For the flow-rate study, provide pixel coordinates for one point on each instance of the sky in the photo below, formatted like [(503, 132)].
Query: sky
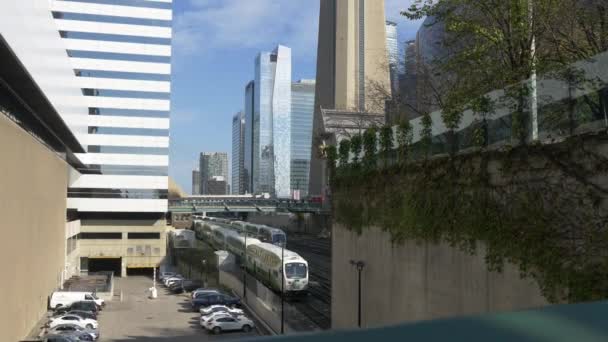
[(214, 46)]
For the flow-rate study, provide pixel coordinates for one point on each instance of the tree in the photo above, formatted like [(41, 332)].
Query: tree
[(370, 142), (386, 143), (344, 153), (356, 143), (405, 137), (426, 135)]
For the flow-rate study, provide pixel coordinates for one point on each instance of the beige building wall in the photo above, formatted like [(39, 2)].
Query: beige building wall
[(413, 282), (33, 184), (135, 253)]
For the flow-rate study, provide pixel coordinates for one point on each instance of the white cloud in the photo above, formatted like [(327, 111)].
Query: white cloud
[(233, 24)]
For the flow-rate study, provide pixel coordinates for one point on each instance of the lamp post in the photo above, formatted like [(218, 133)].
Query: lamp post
[(204, 262), (245, 268), (359, 265), (282, 290)]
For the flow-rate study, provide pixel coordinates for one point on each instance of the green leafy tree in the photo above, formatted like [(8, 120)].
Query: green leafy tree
[(344, 153), (370, 142), (405, 136), (331, 155), (386, 143), (356, 144), (483, 108), (426, 134)]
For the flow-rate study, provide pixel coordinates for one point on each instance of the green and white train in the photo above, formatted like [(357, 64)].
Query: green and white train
[(263, 259)]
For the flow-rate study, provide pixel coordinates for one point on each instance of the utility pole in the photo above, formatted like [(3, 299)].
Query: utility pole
[(245, 268), (533, 77)]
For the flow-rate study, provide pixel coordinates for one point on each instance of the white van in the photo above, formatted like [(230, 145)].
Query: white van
[(65, 298)]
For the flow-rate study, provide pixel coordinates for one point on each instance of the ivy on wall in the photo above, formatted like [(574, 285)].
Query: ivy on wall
[(538, 207)]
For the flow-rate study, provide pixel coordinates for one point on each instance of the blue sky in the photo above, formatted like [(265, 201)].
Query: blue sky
[(214, 46)]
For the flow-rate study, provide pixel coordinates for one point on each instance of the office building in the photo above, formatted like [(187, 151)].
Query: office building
[(351, 54), (408, 82), (216, 185), (302, 110), (213, 164), (268, 124), (196, 182), (248, 138), (121, 55), (392, 48), (238, 154)]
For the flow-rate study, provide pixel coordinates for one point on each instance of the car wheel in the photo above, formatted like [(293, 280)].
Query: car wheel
[(217, 330), (89, 326), (246, 328)]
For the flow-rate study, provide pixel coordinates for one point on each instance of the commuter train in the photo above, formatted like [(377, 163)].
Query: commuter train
[(263, 259), (264, 233)]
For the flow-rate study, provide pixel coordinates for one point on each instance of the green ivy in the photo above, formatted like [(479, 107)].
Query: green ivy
[(451, 199)]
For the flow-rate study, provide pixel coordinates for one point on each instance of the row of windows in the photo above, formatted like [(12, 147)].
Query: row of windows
[(136, 170), (122, 75), (129, 112), (118, 236), (115, 38), (129, 131), (160, 151), (117, 193), (119, 56), (133, 3)]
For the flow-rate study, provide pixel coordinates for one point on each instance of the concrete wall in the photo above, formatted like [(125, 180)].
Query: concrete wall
[(33, 184), (410, 282), (125, 248)]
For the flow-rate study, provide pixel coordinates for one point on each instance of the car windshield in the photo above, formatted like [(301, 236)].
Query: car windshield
[(94, 296), (295, 270), (278, 238)]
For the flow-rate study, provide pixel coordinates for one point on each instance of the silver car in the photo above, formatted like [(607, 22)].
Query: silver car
[(72, 329)]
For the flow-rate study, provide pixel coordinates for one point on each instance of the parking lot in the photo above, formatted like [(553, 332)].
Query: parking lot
[(167, 318)]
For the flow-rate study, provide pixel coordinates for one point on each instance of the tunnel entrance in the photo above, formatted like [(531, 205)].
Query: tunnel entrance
[(106, 265)]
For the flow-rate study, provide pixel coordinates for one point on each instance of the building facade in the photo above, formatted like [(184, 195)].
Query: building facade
[(249, 142), (238, 154), (268, 111), (213, 164), (302, 110), (351, 54), (121, 54), (196, 182), (392, 48)]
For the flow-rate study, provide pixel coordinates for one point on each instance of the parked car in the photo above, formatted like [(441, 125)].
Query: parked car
[(72, 329), (66, 298), (220, 308), (208, 299), (163, 275), (169, 281), (214, 315), (227, 323), (73, 319), (62, 338), (202, 290), (83, 314), (86, 305), (186, 286)]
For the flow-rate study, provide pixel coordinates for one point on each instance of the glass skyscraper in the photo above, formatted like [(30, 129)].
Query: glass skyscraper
[(268, 127), (392, 47), (302, 111), (238, 154), (249, 137), (213, 165)]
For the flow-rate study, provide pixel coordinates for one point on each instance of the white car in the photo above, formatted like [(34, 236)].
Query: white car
[(73, 329), (215, 315), (220, 308), (169, 280), (86, 323), (229, 323)]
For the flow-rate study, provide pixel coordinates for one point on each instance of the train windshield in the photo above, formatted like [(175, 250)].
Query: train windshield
[(295, 270), (278, 239)]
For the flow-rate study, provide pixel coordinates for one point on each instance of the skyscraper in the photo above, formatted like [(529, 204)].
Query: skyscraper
[(196, 182), (238, 154), (351, 54), (213, 165), (121, 55), (268, 123), (249, 141), (302, 110), (392, 48)]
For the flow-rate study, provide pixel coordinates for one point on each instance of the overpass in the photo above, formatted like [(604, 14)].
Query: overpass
[(243, 204)]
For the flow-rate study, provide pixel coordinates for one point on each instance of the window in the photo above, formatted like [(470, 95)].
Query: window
[(143, 236), (100, 236), (88, 297)]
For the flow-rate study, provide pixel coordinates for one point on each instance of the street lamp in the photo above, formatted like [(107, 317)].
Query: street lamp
[(204, 262), (244, 264), (282, 290), (359, 265)]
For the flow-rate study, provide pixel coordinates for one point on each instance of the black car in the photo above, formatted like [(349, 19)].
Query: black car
[(83, 314), (207, 299), (85, 305), (186, 286)]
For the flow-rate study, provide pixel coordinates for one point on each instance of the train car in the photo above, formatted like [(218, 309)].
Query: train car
[(273, 236), (218, 237), (183, 238), (265, 263), (235, 243)]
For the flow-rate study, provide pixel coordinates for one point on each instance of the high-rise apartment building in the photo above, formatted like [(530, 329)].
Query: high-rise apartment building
[(238, 154), (351, 55), (302, 110), (120, 52), (213, 164), (268, 124), (392, 48), (196, 182)]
